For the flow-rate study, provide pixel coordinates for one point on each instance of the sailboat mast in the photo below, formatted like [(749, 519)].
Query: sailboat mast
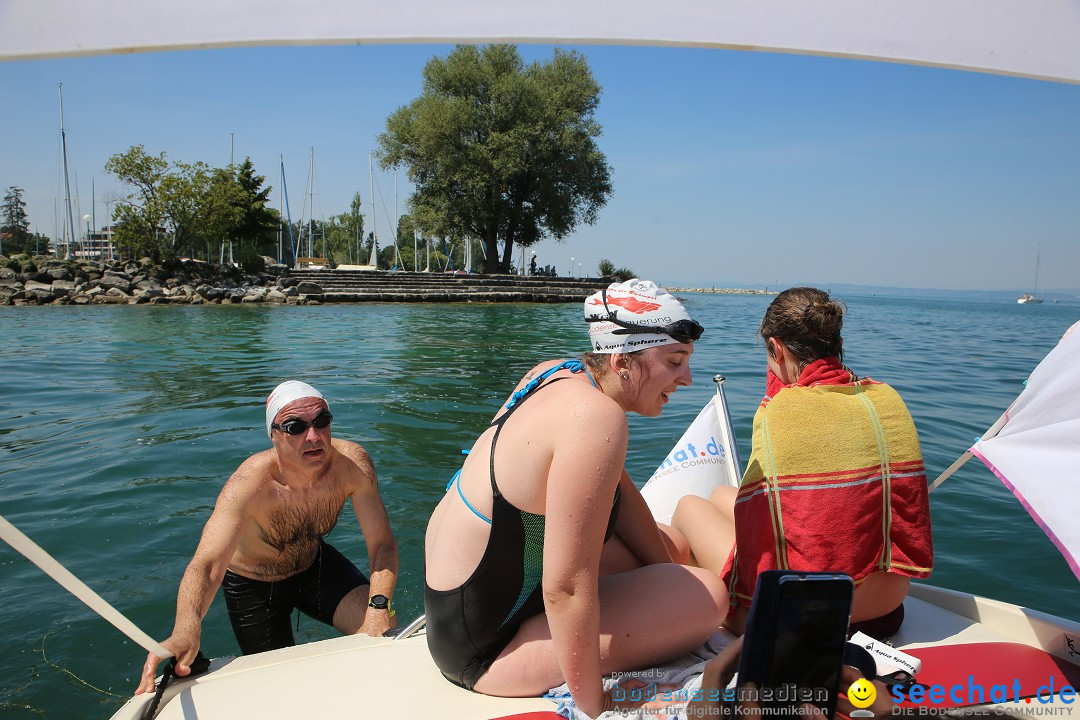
[(397, 227), (67, 182), (78, 211), (311, 199), (281, 207), (373, 259), (1038, 252), (288, 215)]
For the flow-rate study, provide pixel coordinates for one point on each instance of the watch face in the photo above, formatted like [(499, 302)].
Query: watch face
[(379, 602)]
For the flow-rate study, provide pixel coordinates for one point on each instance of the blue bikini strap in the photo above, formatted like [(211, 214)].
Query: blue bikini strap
[(574, 366), (457, 479)]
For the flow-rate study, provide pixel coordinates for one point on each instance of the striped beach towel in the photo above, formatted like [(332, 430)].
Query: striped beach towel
[(835, 482)]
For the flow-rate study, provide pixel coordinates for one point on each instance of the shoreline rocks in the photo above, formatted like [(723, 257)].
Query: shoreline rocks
[(45, 280)]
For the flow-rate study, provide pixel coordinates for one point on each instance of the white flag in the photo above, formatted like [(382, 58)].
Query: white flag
[(701, 461), (1037, 451)]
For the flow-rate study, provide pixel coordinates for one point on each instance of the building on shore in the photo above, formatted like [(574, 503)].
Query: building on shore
[(93, 245)]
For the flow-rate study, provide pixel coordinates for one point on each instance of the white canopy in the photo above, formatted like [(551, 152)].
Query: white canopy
[(1030, 38), (1037, 451)]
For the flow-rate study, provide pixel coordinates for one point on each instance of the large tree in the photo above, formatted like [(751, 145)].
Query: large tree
[(499, 150), (13, 220), (345, 235)]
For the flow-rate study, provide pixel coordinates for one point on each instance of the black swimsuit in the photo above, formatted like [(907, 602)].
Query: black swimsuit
[(260, 611), (469, 626)]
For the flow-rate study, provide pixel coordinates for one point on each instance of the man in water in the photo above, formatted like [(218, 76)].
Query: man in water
[(264, 541)]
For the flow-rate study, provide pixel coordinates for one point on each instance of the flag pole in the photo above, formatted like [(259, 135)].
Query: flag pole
[(734, 463), (959, 462)]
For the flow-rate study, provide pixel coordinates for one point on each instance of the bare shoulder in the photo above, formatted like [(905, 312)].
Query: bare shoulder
[(356, 465), (250, 480), (580, 407), (541, 367), (535, 372)]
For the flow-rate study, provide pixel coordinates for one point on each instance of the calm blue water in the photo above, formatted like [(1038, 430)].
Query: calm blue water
[(118, 426)]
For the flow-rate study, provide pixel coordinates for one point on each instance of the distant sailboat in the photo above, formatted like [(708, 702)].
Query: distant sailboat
[(1032, 298)]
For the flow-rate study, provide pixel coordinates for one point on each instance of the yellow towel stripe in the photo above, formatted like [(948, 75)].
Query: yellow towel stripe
[(886, 484), (773, 494)]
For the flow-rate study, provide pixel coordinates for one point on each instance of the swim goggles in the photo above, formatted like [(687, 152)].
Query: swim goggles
[(684, 331), (296, 426)]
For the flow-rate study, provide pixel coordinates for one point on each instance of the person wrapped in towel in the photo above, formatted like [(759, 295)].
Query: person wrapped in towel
[(835, 480)]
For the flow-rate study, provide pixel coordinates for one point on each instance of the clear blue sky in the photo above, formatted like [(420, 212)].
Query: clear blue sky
[(729, 168)]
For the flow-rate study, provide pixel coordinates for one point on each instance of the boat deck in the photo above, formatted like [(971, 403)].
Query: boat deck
[(357, 676)]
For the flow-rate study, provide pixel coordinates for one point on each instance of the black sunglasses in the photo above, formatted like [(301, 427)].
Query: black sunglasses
[(296, 426), (684, 331)]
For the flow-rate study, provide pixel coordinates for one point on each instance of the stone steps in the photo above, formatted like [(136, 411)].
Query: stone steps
[(345, 286), (428, 296)]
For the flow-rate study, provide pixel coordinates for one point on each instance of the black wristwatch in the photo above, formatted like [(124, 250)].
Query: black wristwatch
[(379, 602)]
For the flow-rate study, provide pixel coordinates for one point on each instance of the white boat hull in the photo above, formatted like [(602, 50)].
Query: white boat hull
[(360, 676), (354, 677)]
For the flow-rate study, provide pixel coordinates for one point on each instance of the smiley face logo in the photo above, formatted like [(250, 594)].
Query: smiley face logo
[(862, 693)]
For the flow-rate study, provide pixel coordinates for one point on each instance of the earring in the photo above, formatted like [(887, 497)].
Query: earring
[(624, 375)]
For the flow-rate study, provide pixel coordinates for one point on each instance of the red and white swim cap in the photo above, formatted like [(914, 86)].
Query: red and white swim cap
[(636, 304)]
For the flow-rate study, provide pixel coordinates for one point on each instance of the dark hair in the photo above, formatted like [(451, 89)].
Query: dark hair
[(808, 321)]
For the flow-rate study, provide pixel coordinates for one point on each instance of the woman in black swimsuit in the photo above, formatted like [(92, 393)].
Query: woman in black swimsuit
[(515, 598)]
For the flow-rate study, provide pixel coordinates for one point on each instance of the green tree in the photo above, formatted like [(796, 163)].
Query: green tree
[(190, 204), (345, 235), (254, 220), (139, 216), (606, 268), (257, 220), (13, 220), (501, 151), (181, 208)]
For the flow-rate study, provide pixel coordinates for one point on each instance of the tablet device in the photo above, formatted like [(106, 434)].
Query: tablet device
[(794, 641)]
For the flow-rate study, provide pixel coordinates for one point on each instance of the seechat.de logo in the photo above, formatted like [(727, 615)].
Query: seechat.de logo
[(691, 454)]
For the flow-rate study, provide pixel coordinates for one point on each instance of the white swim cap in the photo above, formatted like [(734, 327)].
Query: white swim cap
[(635, 315), (285, 393)]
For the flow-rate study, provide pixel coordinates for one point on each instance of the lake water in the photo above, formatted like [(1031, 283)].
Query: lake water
[(120, 424)]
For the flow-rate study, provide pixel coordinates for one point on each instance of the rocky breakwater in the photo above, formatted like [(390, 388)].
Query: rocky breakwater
[(50, 281), (723, 291)]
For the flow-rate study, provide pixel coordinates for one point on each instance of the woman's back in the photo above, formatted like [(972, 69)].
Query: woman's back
[(556, 425)]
